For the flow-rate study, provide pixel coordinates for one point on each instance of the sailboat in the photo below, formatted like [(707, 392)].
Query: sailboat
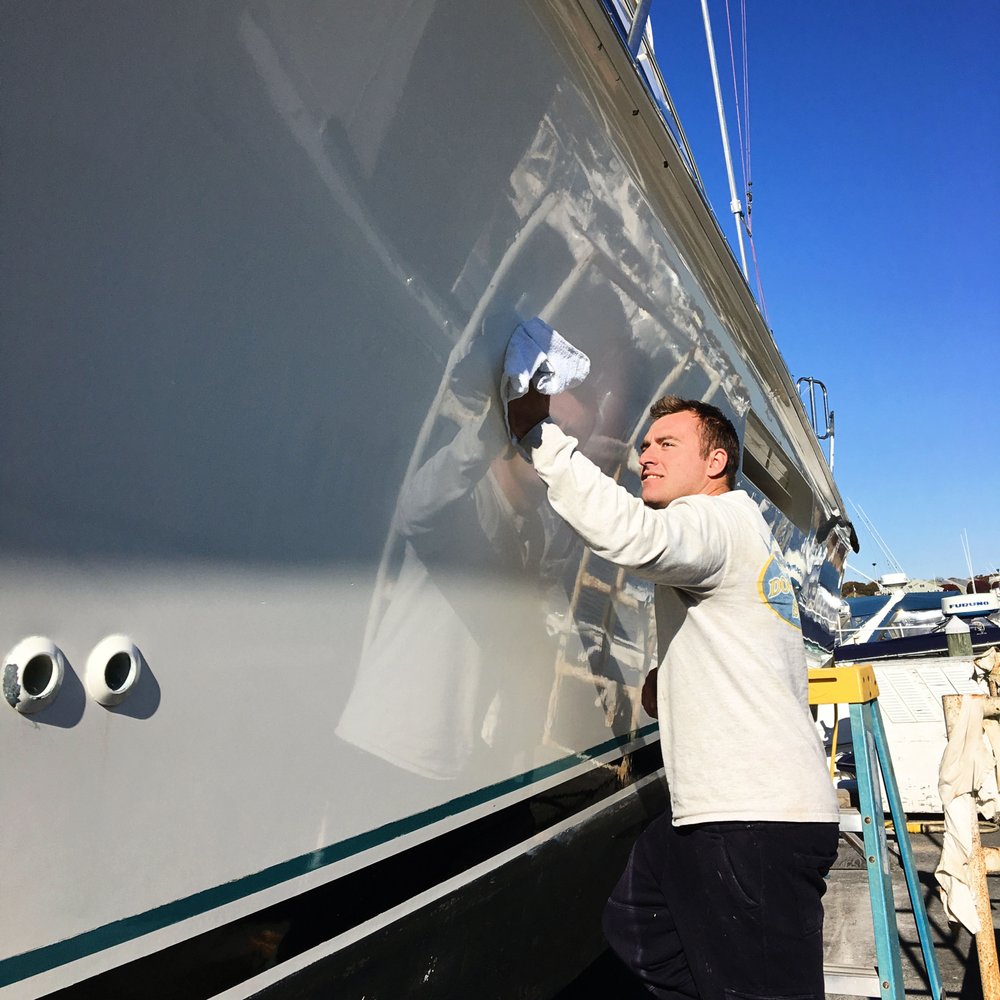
[(306, 690)]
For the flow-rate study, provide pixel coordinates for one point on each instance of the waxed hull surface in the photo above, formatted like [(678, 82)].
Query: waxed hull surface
[(260, 264)]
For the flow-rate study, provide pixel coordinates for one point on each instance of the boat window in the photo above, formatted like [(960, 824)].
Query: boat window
[(768, 468)]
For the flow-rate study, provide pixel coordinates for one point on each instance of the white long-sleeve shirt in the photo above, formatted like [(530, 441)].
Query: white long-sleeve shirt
[(737, 737)]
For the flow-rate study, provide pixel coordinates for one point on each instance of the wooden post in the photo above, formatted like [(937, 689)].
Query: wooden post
[(986, 946)]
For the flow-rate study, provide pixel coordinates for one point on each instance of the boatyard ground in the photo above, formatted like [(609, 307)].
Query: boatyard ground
[(954, 946)]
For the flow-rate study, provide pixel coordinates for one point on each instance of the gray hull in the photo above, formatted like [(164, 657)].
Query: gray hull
[(260, 264)]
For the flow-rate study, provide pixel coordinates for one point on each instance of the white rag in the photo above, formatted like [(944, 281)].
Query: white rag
[(967, 783), (538, 354)]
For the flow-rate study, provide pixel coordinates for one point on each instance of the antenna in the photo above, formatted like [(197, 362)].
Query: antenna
[(879, 541), (854, 569), (964, 539)]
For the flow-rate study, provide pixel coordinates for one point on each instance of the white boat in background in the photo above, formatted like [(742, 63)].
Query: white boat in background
[(901, 624), (304, 685)]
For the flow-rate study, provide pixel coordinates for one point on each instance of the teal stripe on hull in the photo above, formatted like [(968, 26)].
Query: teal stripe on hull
[(32, 963)]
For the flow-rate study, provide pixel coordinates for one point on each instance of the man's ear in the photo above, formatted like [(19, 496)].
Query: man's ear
[(717, 462)]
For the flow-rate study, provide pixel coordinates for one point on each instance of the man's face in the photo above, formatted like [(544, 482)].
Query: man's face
[(672, 463)]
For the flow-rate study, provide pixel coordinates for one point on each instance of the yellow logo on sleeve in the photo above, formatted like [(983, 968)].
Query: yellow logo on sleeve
[(776, 591)]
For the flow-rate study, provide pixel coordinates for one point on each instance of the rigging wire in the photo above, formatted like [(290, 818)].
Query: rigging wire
[(756, 268), (746, 91), (879, 540), (743, 134), (744, 159)]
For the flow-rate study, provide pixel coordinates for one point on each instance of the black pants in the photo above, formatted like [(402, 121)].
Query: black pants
[(724, 911)]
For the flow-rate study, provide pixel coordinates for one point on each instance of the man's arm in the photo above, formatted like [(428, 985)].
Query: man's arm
[(682, 546), (428, 500), (648, 695)]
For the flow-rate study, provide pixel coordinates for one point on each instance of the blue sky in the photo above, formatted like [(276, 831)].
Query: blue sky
[(875, 143)]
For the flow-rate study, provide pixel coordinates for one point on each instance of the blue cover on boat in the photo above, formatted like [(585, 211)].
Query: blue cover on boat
[(865, 607), (924, 601)]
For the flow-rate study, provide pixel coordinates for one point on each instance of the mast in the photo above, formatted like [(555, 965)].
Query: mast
[(734, 202)]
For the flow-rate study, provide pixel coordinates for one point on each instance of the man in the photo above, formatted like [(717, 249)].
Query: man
[(721, 897)]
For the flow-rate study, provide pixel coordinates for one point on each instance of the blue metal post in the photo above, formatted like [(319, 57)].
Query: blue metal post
[(906, 853), (890, 969)]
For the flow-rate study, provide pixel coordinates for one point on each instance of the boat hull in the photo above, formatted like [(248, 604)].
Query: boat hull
[(261, 263)]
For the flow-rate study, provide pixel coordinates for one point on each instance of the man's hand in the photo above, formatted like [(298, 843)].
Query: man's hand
[(526, 411), (648, 697)]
